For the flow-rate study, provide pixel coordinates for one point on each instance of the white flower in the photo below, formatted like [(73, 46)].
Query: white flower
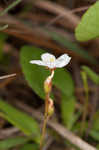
[(51, 62)]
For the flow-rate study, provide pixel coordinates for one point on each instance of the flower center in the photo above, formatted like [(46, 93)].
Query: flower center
[(52, 59)]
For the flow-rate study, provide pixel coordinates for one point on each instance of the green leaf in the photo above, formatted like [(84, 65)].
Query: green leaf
[(12, 142), (21, 120), (64, 82), (88, 28), (36, 75), (72, 46), (29, 147), (95, 125), (93, 76), (97, 146), (94, 134), (78, 124), (67, 110)]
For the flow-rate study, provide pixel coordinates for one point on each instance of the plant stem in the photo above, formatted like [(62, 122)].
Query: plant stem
[(85, 83), (45, 121), (46, 116)]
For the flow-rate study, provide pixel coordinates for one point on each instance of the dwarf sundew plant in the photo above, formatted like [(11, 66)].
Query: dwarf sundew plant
[(49, 61)]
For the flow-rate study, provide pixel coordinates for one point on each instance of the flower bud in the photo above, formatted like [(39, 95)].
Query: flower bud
[(50, 107), (48, 85)]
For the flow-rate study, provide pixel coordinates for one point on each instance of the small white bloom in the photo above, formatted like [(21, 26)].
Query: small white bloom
[(51, 62)]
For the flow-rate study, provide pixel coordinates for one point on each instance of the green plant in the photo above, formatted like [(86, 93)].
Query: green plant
[(88, 28)]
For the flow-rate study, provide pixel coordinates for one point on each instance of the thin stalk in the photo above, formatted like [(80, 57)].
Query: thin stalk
[(6, 10), (46, 116), (10, 7), (85, 83), (45, 121)]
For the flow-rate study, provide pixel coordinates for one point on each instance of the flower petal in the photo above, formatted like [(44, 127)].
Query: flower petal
[(62, 61), (47, 57), (38, 62)]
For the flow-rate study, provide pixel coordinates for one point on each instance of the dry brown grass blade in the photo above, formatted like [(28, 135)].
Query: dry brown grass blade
[(36, 36), (6, 133), (7, 76), (60, 17), (27, 34), (71, 19), (47, 19)]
